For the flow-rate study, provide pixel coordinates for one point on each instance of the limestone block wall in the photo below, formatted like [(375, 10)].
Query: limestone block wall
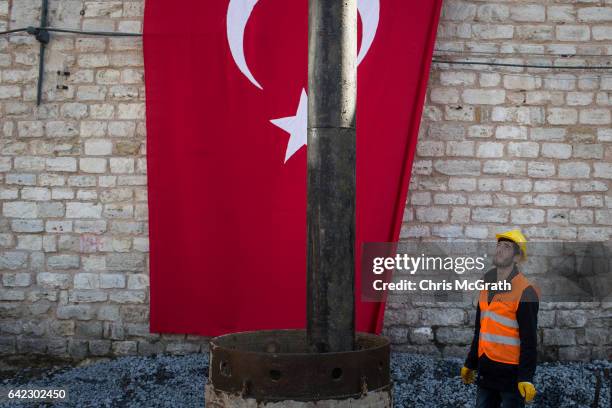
[(505, 147), (73, 231), (498, 147)]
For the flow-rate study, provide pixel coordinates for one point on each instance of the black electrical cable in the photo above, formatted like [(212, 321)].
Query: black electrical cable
[(106, 33), (506, 64), (32, 30), (522, 54), (542, 75), (16, 30)]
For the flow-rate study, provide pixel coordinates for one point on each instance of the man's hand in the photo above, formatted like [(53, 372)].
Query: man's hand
[(467, 375), (527, 391)]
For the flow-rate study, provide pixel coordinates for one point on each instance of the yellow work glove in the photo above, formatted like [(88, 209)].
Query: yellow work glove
[(467, 375), (527, 391)]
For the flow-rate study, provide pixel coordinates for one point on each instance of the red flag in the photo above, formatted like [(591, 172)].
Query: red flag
[(226, 154)]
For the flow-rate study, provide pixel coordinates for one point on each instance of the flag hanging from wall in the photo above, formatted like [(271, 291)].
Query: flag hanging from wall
[(226, 96)]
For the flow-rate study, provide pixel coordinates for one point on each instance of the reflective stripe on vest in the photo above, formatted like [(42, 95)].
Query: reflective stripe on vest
[(495, 338), (499, 318)]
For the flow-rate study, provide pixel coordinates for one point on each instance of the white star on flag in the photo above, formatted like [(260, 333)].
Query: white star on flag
[(296, 126)]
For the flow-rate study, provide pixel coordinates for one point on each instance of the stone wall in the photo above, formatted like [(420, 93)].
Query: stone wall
[(498, 147), (73, 232), (504, 147)]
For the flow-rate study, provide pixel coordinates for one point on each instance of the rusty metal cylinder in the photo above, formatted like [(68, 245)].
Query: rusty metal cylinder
[(258, 368)]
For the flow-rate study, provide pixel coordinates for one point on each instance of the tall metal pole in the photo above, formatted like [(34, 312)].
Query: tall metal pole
[(332, 89)]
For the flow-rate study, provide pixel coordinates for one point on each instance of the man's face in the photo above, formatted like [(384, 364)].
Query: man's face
[(504, 254)]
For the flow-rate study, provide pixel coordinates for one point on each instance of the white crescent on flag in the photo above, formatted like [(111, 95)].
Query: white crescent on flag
[(369, 10), (239, 11)]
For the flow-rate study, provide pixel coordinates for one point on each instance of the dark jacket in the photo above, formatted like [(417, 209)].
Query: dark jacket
[(501, 376)]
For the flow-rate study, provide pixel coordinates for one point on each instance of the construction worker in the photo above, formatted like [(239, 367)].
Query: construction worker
[(503, 354)]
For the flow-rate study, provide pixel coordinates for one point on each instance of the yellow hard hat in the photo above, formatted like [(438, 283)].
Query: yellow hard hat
[(517, 237)]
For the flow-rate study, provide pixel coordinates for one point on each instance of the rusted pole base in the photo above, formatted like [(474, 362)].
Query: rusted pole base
[(276, 368)]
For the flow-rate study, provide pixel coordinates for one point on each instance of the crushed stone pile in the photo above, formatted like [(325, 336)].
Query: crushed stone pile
[(178, 381)]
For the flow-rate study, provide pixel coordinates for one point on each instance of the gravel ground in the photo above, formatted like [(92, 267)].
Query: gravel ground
[(178, 381)]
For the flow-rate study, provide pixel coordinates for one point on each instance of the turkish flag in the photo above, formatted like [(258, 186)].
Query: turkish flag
[(226, 96)]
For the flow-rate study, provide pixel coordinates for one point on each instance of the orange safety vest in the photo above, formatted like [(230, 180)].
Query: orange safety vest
[(499, 330)]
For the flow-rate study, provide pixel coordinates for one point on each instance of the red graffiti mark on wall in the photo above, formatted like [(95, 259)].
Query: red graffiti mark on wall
[(89, 243)]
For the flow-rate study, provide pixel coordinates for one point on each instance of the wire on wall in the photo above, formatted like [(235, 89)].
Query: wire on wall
[(507, 64), (33, 30), (524, 54)]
